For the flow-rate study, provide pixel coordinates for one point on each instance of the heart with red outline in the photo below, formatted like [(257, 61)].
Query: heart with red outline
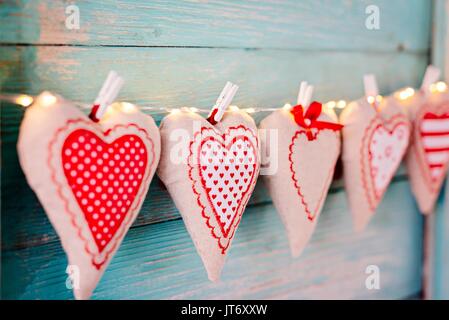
[(303, 152), (432, 137), (375, 138), (99, 175), (227, 165), (105, 179), (384, 145), (91, 178), (210, 172), (428, 156), (303, 162)]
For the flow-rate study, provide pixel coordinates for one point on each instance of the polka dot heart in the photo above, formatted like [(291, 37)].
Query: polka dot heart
[(91, 177), (385, 152), (375, 139), (104, 178)]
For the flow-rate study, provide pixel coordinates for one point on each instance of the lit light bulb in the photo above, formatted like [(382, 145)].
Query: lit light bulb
[(128, 107), (403, 95), (47, 99), (410, 91), (24, 100), (341, 104), (441, 86), (406, 93), (234, 108), (287, 106), (370, 99), (331, 104), (438, 87)]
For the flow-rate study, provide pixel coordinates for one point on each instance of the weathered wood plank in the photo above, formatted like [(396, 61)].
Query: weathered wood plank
[(267, 78), (404, 24), (176, 77), (440, 37), (159, 261), (194, 77)]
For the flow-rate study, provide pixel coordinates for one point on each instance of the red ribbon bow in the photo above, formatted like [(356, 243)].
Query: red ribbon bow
[(308, 120)]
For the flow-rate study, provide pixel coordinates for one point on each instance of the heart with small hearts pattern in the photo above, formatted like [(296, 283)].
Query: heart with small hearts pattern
[(227, 165), (210, 171)]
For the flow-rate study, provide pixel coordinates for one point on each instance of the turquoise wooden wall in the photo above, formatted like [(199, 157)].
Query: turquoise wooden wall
[(181, 53)]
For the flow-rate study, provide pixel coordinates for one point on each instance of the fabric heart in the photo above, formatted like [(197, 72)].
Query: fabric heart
[(434, 137), (375, 138), (227, 168), (104, 178), (211, 178), (428, 156), (90, 178), (385, 150), (305, 168)]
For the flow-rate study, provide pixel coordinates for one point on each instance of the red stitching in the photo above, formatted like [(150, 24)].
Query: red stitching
[(432, 185), (203, 181), (238, 214), (311, 216), (66, 201), (382, 123)]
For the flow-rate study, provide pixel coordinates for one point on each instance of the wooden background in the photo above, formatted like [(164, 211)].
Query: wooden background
[(181, 53)]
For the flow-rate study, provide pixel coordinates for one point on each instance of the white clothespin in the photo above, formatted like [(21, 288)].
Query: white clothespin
[(431, 75), (305, 94), (371, 90), (109, 91), (223, 101), (370, 83)]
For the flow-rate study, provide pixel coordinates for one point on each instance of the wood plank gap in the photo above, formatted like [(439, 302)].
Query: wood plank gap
[(79, 45)]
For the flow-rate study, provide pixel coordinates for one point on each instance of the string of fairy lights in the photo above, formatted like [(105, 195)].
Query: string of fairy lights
[(25, 100)]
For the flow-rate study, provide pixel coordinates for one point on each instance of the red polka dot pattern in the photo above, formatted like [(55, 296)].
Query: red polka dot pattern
[(385, 153), (104, 178)]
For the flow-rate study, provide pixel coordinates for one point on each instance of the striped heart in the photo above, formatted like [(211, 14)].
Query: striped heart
[(434, 131)]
